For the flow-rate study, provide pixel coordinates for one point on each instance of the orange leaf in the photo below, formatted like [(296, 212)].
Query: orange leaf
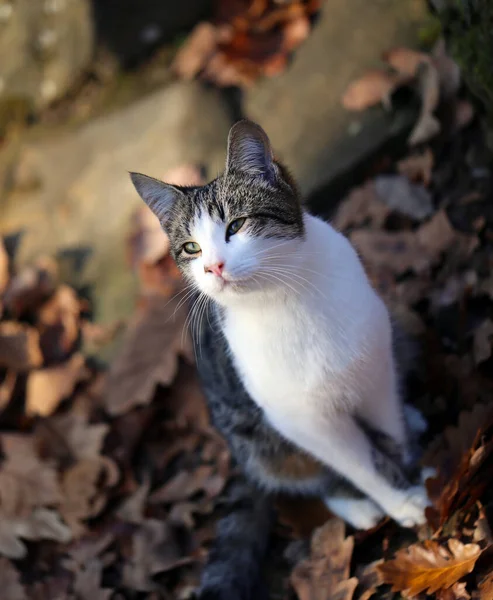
[(429, 566)]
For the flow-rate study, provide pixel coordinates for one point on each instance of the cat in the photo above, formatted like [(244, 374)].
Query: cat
[(295, 351)]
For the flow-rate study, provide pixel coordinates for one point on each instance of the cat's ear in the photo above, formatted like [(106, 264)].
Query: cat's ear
[(249, 151), (159, 196)]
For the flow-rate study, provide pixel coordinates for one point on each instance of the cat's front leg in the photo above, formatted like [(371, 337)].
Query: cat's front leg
[(338, 441)]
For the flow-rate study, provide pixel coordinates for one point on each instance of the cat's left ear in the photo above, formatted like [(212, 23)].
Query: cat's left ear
[(159, 196), (249, 151)]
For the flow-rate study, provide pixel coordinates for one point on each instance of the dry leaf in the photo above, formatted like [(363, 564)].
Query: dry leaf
[(87, 584), (149, 355), (184, 485), (10, 582), (295, 33), (418, 167), (486, 588), (369, 579), (405, 60), (374, 87), (31, 287), (399, 194), (154, 549), (58, 321), (456, 592), (429, 566), (197, 50), (483, 339), (19, 347), (361, 205), (132, 509), (438, 235), (325, 575), (427, 126), (46, 388), (4, 267), (84, 487)]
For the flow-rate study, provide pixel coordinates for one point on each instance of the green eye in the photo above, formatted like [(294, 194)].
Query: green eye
[(235, 226), (191, 248)]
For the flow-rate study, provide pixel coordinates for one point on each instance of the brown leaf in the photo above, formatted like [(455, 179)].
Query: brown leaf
[(405, 60), (19, 347), (10, 582), (486, 588), (418, 167), (483, 340), (438, 235), (87, 584), (197, 50), (31, 287), (399, 194), (374, 87), (149, 355), (429, 567), (132, 508), (325, 575), (154, 549), (84, 487), (369, 579), (27, 487), (427, 126), (46, 388), (4, 267), (58, 321), (295, 33), (361, 205), (184, 485), (456, 592)]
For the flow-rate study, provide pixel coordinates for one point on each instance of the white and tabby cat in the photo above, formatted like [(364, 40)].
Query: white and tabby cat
[(296, 334)]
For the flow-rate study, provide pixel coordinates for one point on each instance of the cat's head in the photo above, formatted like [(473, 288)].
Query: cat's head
[(235, 234)]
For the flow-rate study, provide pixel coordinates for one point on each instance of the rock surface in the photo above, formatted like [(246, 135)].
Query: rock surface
[(83, 198), (44, 45), (301, 109)]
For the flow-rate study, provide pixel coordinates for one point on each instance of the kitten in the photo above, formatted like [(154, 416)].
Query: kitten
[(294, 347)]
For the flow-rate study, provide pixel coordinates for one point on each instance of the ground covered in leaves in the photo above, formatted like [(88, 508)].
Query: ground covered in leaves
[(112, 479)]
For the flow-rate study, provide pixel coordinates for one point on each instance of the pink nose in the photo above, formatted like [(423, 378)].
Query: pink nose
[(217, 269)]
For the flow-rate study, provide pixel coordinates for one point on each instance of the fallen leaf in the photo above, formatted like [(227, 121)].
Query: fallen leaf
[(399, 194), (87, 584), (32, 286), (46, 388), (184, 485), (132, 509), (427, 126), (429, 566), (197, 50), (361, 205), (456, 592), (486, 588), (84, 487), (149, 355), (295, 33), (325, 575), (10, 583), (483, 340), (405, 60), (19, 347), (154, 549), (4, 267), (374, 87), (58, 321), (27, 487), (369, 579), (437, 235), (418, 167)]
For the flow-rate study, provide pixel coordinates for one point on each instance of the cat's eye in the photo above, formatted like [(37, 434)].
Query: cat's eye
[(191, 248), (235, 226)]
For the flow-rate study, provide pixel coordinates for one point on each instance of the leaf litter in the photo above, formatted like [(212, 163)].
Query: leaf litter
[(112, 479)]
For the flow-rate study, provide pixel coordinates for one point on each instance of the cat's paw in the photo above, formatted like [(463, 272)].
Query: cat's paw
[(411, 510), (359, 513), (428, 473)]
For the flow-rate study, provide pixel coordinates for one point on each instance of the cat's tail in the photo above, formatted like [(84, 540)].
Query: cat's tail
[(234, 568)]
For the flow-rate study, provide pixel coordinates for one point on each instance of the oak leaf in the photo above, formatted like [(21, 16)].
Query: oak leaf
[(486, 587), (325, 575), (429, 566), (374, 87), (149, 356), (456, 592)]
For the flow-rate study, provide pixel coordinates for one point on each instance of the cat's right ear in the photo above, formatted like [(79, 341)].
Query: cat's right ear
[(159, 196)]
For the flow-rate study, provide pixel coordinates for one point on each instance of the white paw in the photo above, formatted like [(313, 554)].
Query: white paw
[(411, 511), (361, 513), (428, 473)]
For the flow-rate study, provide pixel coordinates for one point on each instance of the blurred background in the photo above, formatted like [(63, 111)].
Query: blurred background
[(111, 476)]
